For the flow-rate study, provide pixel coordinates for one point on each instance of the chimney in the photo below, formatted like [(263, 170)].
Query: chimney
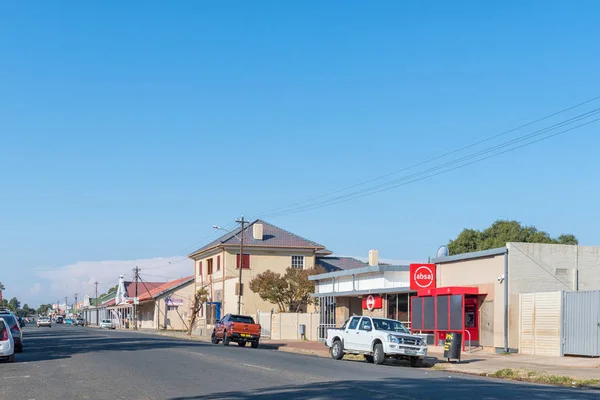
[(373, 257), (257, 231)]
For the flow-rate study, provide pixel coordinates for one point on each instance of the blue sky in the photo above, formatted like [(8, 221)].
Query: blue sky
[(128, 130)]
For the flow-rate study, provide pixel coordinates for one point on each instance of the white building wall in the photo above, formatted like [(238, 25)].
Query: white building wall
[(372, 281)]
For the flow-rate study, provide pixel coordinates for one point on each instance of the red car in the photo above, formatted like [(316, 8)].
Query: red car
[(236, 328)]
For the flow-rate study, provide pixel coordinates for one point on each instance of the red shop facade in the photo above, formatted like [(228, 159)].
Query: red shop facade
[(437, 311)]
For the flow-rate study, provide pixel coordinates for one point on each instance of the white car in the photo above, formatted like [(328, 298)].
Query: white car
[(44, 321), (106, 324), (377, 339), (7, 344)]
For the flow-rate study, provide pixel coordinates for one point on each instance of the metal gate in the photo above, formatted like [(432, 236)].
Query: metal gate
[(265, 319), (581, 323), (326, 316)]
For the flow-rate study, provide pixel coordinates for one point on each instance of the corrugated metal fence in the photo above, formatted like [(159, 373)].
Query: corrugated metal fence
[(581, 323)]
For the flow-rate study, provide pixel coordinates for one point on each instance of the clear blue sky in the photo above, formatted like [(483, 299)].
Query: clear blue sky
[(129, 129)]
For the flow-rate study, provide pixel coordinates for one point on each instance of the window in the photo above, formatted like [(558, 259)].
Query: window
[(397, 307), (209, 266), (354, 323), (364, 324), (245, 261), (218, 263), (172, 308), (298, 262), (200, 268)]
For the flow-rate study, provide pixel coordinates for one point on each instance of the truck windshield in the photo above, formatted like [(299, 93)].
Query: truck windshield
[(389, 325)]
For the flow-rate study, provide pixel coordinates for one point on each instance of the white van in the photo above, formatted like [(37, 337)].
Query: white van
[(7, 344)]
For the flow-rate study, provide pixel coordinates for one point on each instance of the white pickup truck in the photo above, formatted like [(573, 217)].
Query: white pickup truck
[(377, 339)]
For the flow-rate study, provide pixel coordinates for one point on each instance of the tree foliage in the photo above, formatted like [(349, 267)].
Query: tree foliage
[(500, 233), (14, 304), (290, 292)]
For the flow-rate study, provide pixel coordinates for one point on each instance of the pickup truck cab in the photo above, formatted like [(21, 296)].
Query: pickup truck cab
[(236, 328), (377, 339)]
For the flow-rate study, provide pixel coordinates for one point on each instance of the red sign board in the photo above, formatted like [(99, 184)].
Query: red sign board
[(422, 276), (372, 302)]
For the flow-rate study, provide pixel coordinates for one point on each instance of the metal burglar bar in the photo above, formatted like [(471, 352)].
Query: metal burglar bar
[(326, 316)]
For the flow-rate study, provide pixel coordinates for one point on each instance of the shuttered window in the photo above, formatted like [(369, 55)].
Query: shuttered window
[(245, 261), (218, 263)]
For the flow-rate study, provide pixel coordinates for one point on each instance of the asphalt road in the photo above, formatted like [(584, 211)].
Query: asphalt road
[(66, 362)]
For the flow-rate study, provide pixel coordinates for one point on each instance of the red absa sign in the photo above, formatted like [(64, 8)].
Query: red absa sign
[(372, 302), (422, 276)]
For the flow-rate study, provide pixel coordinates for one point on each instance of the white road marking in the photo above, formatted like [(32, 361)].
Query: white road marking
[(257, 366), (16, 377)]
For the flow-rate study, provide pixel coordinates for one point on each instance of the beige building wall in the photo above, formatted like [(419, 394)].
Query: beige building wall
[(175, 319), (482, 273), (222, 283), (286, 326)]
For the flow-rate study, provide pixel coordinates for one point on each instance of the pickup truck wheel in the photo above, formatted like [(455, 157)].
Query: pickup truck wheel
[(378, 354), (416, 362), (11, 358), (242, 344), (213, 339), (225, 340), (254, 344), (369, 359), (337, 350)]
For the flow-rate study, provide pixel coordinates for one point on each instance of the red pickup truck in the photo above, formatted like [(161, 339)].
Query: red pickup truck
[(236, 328)]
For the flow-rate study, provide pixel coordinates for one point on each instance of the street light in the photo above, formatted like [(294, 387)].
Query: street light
[(241, 239)]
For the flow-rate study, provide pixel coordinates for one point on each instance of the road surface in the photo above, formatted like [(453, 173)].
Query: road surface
[(68, 362)]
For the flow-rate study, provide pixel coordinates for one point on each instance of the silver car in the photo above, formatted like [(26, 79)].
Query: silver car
[(106, 324), (44, 321)]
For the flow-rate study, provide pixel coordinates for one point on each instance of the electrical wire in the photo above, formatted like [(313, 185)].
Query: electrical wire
[(264, 214), (371, 191)]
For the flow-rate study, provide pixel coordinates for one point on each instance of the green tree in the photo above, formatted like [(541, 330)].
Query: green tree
[(43, 309), (290, 291), (14, 304), (500, 233)]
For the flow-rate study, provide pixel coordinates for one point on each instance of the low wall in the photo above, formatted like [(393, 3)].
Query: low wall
[(286, 326)]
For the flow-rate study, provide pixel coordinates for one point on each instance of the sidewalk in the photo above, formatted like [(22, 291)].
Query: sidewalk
[(478, 362)]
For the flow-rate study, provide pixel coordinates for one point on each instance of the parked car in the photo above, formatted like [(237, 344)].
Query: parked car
[(60, 320), (106, 324), (7, 343), (69, 321), (44, 321), (15, 329), (79, 322), (377, 339), (236, 328)]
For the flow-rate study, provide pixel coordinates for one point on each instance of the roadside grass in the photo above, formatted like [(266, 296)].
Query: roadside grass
[(536, 377)]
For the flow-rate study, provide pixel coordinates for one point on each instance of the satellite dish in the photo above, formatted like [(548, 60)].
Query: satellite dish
[(443, 251)]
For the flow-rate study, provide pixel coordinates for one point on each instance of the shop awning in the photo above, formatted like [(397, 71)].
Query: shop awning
[(365, 292)]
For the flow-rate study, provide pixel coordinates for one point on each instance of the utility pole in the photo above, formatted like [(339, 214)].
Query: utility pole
[(96, 303), (75, 305), (241, 221), (136, 274), (66, 305)]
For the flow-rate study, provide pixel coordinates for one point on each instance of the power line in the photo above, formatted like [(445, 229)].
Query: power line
[(432, 159), (369, 192)]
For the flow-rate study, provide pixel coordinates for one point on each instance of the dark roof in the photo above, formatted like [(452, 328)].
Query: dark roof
[(332, 264), (273, 236)]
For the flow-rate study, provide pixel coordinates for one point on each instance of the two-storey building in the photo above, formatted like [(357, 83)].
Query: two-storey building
[(266, 247)]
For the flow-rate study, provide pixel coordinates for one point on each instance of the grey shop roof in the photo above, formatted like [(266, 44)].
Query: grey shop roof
[(357, 271)]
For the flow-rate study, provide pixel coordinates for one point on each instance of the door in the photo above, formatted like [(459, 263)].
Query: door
[(220, 326), (365, 334), (351, 333)]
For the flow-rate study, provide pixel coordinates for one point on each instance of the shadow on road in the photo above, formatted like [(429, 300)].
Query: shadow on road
[(404, 388), (48, 344)]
